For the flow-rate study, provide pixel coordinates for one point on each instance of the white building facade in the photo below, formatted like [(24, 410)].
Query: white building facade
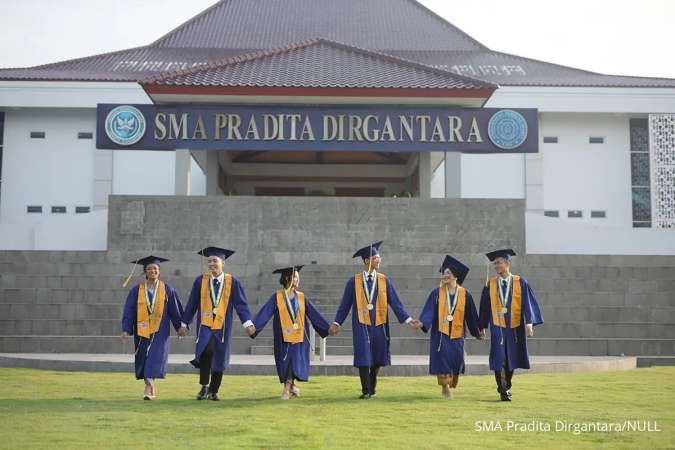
[(602, 182)]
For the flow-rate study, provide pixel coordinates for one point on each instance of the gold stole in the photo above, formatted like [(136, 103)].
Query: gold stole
[(294, 336), (147, 323), (207, 305), (381, 304), (515, 306), (457, 316)]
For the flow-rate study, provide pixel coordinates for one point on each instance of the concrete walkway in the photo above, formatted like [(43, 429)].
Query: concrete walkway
[(402, 365)]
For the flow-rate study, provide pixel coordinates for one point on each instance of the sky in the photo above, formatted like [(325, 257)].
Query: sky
[(615, 37)]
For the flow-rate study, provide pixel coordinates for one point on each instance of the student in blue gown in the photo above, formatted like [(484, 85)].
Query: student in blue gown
[(214, 298), (152, 306), (448, 311), (509, 307), (292, 311), (370, 294)]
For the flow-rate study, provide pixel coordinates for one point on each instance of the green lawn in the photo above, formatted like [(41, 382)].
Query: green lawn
[(42, 409)]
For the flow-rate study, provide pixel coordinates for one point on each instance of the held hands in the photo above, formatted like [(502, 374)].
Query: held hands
[(529, 330), (182, 332), (250, 330), (333, 330), (415, 324), (481, 335)]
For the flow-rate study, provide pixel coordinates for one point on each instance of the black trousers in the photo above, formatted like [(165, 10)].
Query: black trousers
[(368, 377), (505, 383), (205, 360)]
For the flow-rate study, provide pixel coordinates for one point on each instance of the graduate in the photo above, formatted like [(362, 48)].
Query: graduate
[(509, 307), (370, 294), (448, 311), (151, 306), (213, 298), (292, 311)]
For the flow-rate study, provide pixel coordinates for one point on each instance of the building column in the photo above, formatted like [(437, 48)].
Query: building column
[(453, 175), (424, 172), (183, 172), (212, 170)]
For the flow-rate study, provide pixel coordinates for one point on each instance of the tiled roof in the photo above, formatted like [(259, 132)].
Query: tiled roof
[(319, 63), (401, 28)]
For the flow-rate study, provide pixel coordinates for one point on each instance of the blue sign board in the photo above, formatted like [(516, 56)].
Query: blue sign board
[(317, 128)]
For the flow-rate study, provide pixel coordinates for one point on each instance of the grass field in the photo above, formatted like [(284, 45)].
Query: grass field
[(42, 409)]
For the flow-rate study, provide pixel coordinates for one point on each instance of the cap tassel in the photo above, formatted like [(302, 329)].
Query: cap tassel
[(131, 274), (487, 274)]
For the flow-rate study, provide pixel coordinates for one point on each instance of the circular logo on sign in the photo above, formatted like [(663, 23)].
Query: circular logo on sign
[(507, 129), (125, 125)]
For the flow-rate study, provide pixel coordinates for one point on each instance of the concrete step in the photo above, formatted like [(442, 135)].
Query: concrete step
[(411, 346)]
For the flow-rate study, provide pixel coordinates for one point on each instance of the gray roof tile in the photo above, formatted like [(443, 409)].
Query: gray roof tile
[(319, 63)]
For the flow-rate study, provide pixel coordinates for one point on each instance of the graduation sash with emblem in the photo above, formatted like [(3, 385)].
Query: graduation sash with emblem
[(208, 319), (514, 306), (148, 322), (457, 316), (381, 304), (294, 335)]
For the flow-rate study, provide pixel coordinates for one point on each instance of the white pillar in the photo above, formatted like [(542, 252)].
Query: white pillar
[(183, 172), (453, 175)]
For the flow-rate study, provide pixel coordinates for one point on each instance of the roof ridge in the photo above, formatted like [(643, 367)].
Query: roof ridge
[(448, 24), (308, 43)]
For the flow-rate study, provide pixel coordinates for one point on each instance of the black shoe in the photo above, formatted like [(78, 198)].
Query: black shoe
[(203, 392), (372, 394), (364, 396), (504, 397), (213, 396)]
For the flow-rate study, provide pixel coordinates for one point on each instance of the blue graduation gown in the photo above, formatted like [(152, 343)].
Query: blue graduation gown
[(371, 343), (449, 358), (152, 355), (221, 351), (290, 355), (510, 341)]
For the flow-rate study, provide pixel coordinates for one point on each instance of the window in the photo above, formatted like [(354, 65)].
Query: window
[(550, 139), (34, 209), (85, 135), (575, 214), (58, 209), (82, 209), (552, 213), (37, 134), (598, 214), (596, 140), (639, 173)]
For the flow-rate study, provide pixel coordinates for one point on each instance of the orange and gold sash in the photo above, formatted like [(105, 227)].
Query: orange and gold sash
[(514, 305), (215, 323), (381, 304), (290, 333), (457, 316), (146, 323)]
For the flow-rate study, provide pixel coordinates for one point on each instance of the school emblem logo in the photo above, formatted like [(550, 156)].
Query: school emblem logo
[(125, 125), (507, 129)]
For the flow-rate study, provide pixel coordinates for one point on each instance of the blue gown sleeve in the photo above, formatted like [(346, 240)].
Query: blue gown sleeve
[(346, 302), (485, 314), (264, 315), (238, 298), (193, 301), (318, 322), (129, 313), (471, 316), (427, 315), (395, 303), (175, 307), (531, 311)]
